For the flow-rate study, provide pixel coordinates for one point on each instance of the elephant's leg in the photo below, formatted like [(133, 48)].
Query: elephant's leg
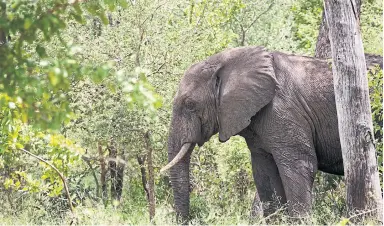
[(268, 182), (297, 166)]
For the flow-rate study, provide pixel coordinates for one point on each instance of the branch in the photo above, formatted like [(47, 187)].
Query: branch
[(263, 220), (87, 160), (141, 161), (158, 69), (152, 14), (117, 160), (242, 41), (58, 172), (135, 130), (142, 31), (202, 16), (151, 179), (363, 213), (269, 8)]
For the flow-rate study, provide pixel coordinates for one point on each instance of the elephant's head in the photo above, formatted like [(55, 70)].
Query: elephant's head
[(220, 94)]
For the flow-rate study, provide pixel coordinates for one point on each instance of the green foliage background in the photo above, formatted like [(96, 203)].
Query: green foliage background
[(75, 75)]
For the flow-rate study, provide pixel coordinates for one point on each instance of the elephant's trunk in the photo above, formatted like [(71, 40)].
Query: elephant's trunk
[(179, 175)]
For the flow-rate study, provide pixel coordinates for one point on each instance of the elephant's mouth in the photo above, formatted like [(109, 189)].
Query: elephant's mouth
[(180, 155)]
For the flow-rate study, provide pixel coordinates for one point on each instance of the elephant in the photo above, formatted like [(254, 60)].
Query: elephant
[(282, 104)]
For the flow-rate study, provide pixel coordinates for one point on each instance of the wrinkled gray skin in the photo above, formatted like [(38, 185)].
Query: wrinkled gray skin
[(284, 107)]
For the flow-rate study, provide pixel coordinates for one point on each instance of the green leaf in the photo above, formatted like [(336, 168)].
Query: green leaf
[(111, 4), (53, 78), (343, 222), (103, 18), (19, 146), (41, 51), (27, 23), (78, 18), (123, 3)]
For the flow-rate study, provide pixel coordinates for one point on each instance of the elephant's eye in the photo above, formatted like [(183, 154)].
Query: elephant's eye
[(190, 105)]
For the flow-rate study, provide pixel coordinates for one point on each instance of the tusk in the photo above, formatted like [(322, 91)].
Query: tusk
[(177, 158)]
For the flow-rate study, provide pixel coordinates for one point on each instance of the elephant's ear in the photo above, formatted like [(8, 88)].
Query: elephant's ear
[(247, 84)]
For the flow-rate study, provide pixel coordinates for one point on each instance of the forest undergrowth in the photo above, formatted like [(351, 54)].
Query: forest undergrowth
[(90, 91)]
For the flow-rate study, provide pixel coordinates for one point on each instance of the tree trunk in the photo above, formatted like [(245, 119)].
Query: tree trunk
[(149, 190), (151, 179), (116, 167), (120, 177), (3, 35), (103, 173), (112, 163), (323, 46), (141, 161), (353, 107)]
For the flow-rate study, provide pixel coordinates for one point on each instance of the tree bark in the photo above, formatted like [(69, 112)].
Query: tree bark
[(116, 167), (3, 35), (323, 46), (141, 161), (353, 107), (151, 179), (112, 163), (103, 173), (120, 177)]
